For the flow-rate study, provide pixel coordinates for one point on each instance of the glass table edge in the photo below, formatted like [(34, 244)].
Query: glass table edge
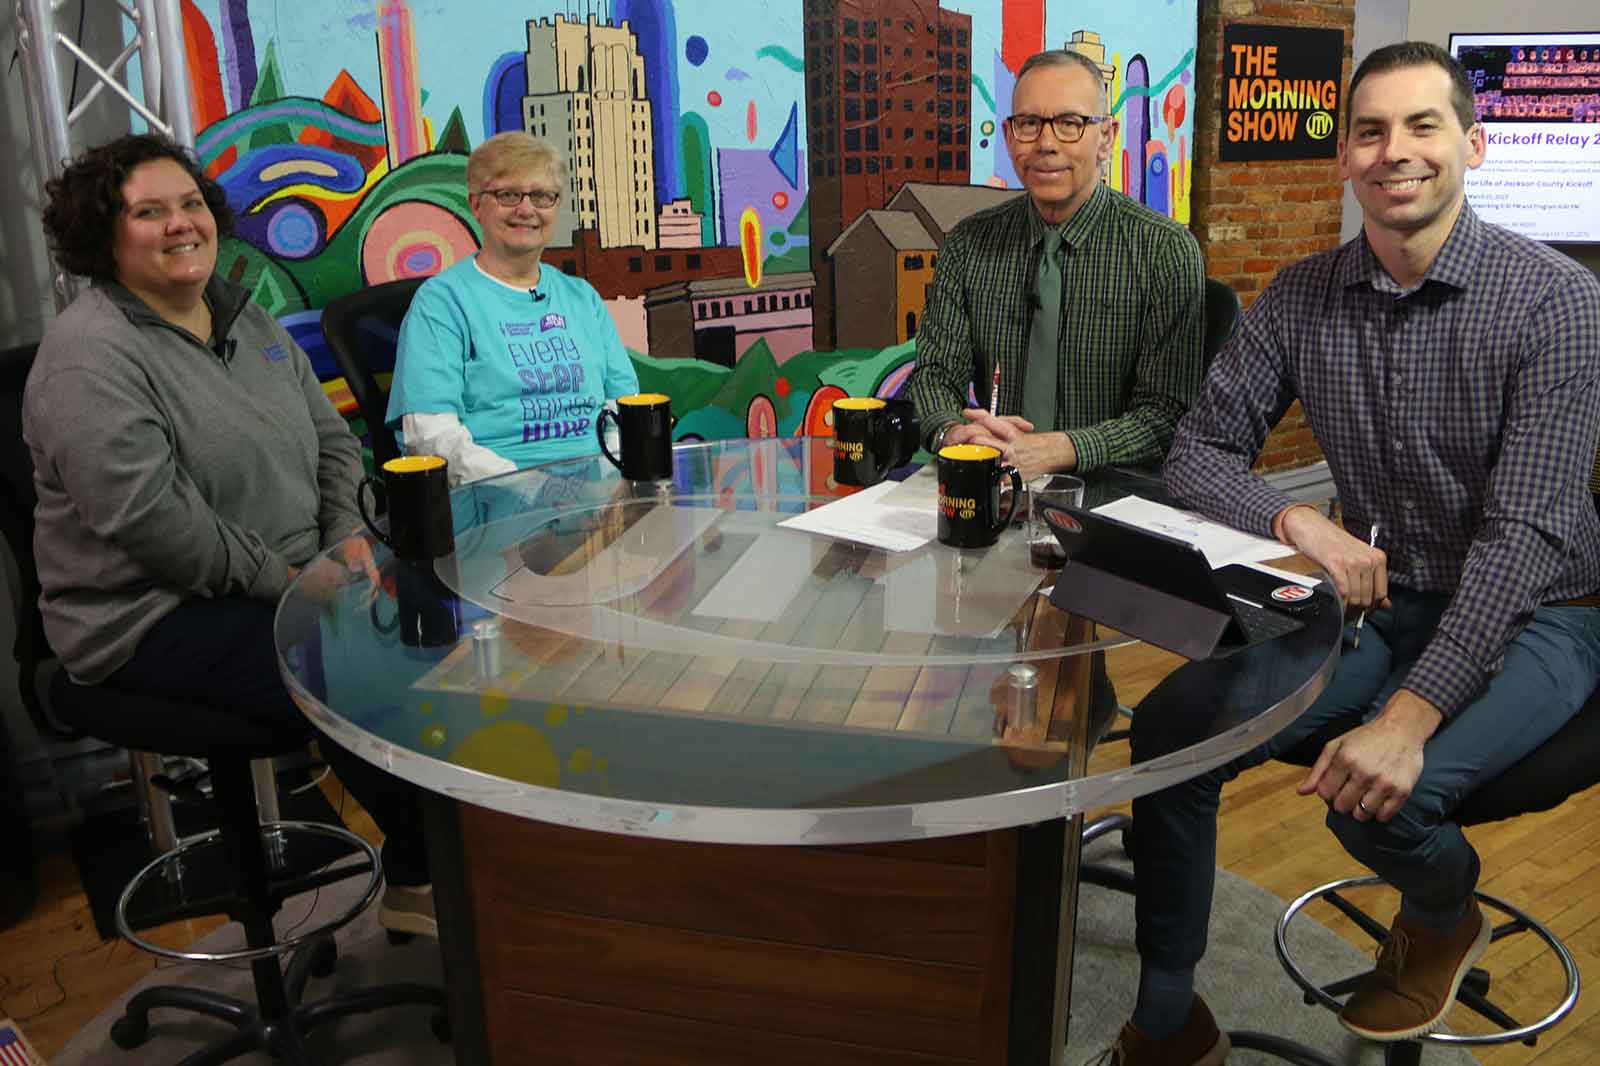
[(809, 827)]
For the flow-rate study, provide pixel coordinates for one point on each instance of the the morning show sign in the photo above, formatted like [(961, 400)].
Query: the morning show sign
[(1280, 92)]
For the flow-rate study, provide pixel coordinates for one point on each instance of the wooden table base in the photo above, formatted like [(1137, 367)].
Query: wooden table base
[(568, 946)]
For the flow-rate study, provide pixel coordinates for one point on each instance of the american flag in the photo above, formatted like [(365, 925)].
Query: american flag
[(14, 1049)]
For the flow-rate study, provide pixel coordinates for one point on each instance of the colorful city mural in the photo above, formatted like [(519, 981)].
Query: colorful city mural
[(760, 199)]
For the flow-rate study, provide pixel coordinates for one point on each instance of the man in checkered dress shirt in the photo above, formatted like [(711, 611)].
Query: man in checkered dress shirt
[(1451, 373)]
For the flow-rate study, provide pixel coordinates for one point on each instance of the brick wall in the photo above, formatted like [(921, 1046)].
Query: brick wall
[(1253, 218)]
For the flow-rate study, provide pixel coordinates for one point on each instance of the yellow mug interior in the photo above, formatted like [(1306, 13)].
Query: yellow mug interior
[(413, 464), (969, 453), (644, 399), (858, 403)]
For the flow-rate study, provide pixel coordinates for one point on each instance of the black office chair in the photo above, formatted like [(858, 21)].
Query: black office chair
[(147, 772), (1563, 766), (16, 490), (363, 331), (18, 880), (1221, 319), (261, 860)]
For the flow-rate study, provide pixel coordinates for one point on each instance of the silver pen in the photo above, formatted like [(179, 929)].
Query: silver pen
[(1361, 619)]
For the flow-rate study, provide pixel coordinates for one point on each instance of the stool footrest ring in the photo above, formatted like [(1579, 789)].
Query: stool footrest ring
[(158, 867), (1520, 921)]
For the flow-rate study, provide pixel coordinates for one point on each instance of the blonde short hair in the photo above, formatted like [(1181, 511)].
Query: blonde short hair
[(512, 153)]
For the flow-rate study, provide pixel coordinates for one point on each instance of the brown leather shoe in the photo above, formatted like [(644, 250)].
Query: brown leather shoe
[(408, 909), (1418, 973), (1198, 1043)]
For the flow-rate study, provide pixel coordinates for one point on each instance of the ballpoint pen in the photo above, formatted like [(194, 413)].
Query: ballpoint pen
[(1361, 619)]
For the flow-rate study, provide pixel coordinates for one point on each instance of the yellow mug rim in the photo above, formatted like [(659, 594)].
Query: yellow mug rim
[(413, 464), (645, 399), (858, 403), (969, 453)]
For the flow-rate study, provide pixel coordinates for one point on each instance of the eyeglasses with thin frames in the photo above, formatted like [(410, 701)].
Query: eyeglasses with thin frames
[(511, 197), (1067, 126)]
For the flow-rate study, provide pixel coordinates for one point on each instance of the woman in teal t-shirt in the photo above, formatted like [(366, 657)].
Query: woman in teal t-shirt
[(504, 361)]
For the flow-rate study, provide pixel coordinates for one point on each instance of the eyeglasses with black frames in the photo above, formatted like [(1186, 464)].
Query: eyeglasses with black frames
[(512, 197), (1067, 126)]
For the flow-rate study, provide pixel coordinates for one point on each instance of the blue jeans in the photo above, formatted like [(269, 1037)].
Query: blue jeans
[(220, 654), (1550, 670)]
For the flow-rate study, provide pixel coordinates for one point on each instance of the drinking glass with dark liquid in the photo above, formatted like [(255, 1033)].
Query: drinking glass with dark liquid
[(1043, 549)]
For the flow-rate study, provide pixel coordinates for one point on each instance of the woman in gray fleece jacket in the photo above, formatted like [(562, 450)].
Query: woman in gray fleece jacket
[(188, 464)]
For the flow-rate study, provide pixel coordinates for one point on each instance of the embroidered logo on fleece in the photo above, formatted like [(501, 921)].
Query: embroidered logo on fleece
[(552, 321), (274, 353)]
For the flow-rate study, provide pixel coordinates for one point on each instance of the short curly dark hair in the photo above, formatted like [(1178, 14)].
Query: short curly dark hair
[(80, 217)]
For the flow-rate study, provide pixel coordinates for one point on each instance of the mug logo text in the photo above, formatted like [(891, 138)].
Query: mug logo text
[(954, 506)]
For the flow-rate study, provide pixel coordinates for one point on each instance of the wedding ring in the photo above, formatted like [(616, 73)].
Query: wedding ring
[(1362, 803)]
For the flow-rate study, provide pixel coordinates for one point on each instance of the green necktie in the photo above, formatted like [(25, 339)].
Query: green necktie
[(1039, 397)]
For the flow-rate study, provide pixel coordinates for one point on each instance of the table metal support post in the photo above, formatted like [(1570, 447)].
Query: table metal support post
[(458, 943)]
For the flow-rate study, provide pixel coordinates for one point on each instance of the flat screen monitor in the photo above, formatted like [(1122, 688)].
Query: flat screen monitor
[(1538, 97)]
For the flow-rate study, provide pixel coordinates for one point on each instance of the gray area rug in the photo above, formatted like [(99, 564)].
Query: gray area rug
[(1240, 979)]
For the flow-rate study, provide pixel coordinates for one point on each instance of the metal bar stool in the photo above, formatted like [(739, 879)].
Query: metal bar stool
[(1562, 766), (265, 868)]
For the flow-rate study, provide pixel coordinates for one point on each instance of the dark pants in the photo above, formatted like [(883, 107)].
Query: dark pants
[(1550, 670), (220, 655)]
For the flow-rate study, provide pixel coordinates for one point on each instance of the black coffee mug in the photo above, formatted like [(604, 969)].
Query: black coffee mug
[(644, 423), (869, 440), (969, 495), (417, 488), (910, 427)]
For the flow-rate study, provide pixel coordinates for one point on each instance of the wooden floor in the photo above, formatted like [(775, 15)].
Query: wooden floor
[(55, 973)]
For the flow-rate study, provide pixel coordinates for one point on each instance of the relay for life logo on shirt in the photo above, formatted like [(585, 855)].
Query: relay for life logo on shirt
[(552, 321)]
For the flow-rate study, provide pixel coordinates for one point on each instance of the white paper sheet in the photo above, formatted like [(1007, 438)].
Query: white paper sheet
[(1221, 544), (865, 518)]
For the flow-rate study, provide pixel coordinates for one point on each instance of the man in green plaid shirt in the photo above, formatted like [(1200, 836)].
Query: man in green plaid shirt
[(1074, 313)]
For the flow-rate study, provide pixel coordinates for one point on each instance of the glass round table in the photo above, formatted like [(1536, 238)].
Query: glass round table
[(618, 697)]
